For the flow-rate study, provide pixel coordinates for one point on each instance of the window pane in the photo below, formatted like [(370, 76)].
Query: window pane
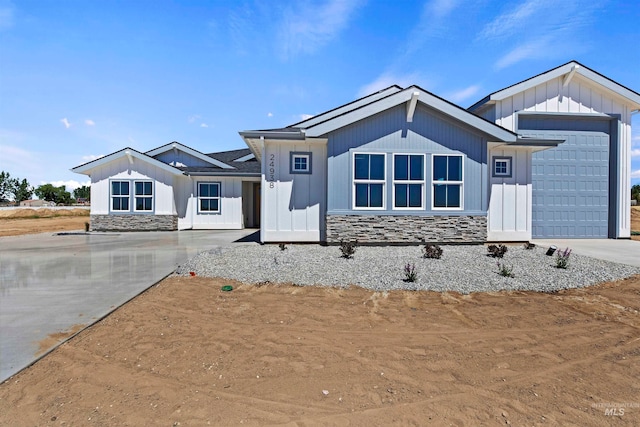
[(415, 196), (440, 196), (214, 191), (204, 205), (147, 203), (440, 168), (124, 201), (115, 188), (204, 190), (147, 189), (417, 165), (214, 205), (115, 204), (453, 196), (400, 167), (361, 168), (124, 189), (139, 190), (139, 204), (375, 195), (362, 195), (401, 195), (455, 168), (377, 166)]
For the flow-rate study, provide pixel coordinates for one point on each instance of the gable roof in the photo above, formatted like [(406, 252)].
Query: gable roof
[(347, 107), (86, 168), (195, 153), (569, 69)]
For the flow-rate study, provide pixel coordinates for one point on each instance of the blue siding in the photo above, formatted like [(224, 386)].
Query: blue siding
[(388, 132)]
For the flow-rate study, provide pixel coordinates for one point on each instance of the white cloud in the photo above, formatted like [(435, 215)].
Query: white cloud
[(6, 16), (89, 122), (192, 119), (269, 114), (65, 122), (531, 50), (441, 8), (69, 185), (307, 28), (204, 125), (388, 79), (635, 174), (305, 116), (91, 157), (512, 21), (463, 94), (635, 152)]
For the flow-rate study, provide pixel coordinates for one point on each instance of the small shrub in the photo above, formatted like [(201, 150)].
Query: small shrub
[(432, 251), (86, 226), (348, 248), (529, 245), (497, 251), (282, 247), (562, 258), (410, 274), (504, 270)]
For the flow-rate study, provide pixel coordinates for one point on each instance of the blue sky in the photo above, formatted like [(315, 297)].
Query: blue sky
[(80, 79)]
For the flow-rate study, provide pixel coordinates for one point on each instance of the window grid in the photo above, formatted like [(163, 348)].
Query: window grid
[(120, 196), (502, 167), (408, 181), (143, 196), (300, 163), (209, 197), (369, 179), (447, 182)]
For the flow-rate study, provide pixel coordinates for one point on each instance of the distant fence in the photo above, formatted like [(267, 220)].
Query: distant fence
[(55, 208)]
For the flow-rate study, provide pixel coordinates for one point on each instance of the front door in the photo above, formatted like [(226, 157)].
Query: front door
[(256, 205)]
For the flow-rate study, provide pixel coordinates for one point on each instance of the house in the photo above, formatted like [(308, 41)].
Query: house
[(36, 203), (173, 187), (546, 157)]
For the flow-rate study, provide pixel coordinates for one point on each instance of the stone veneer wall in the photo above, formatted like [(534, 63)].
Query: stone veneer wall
[(406, 229), (134, 222)]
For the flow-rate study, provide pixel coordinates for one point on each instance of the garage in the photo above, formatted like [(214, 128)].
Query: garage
[(572, 183)]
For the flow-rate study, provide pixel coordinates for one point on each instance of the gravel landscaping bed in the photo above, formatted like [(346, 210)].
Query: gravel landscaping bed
[(462, 269)]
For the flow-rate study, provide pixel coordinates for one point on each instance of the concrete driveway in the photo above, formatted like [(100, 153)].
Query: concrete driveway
[(52, 286), (620, 251)]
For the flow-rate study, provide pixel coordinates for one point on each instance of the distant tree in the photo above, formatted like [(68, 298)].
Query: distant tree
[(83, 192), (58, 195), (635, 192), (22, 190), (6, 185)]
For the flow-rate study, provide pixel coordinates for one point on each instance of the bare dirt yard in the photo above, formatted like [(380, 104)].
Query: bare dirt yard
[(186, 353), (635, 221), (17, 222)]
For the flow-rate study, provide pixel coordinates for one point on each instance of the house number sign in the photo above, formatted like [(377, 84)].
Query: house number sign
[(271, 173)]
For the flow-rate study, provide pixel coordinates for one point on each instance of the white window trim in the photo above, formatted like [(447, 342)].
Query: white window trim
[(409, 181), (300, 155), (112, 196), (219, 197), (508, 160), (134, 196), (434, 182), (368, 181)]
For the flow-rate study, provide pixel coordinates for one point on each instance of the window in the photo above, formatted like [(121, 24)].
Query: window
[(408, 181), (120, 196), (143, 196), (300, 163), (209, 197), (447, 181), (502, 167), (368, 181)]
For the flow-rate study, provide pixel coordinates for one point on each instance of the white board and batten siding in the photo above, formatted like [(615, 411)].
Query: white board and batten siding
[(583, 97), (511, 197), (293, 205), (230, 216), (121, 169)]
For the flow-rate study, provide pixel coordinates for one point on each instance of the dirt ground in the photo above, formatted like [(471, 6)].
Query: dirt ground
[(186, 353), (635, 221), (17, 222)]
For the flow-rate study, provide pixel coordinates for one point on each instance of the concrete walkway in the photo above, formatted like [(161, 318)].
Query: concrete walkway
[(52, 286), (621, 251)]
